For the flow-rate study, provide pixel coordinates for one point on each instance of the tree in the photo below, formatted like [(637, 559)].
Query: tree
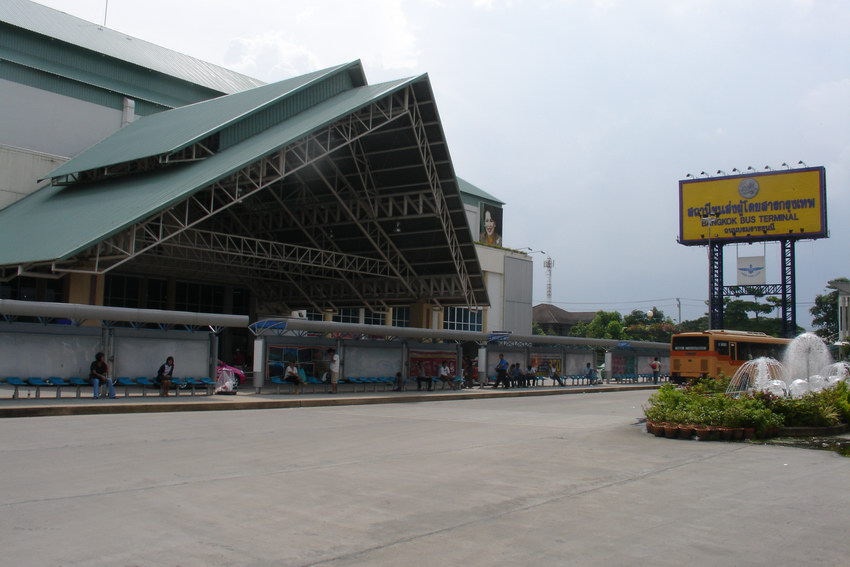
[(605, 325), (825, 313)]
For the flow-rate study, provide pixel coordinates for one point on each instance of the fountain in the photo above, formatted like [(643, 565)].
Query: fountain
[(757, 374), (806, 367), (805, 357), (837, 372)]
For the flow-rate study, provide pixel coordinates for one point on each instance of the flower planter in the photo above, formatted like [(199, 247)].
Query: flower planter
[(749, 432), (737, 433), (671, 431), (702, 433), (650, 427), (725, 433), (659, 430), (686, 431)]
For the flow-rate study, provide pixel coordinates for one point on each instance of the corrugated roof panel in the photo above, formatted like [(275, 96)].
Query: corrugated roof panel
[(58, 222), (469, 188), (169, 131), (275, 113), (70, 29)]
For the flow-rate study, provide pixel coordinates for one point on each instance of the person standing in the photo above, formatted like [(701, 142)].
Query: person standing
[(445, 376), (163, 376), (421, 377), (334, 369), (501, 372), (98, 371), (590, 374), (656, 370)]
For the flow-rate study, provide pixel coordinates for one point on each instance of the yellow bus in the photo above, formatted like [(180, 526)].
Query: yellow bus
[(708, 353)]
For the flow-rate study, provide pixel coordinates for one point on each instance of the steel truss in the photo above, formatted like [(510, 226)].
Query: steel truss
[(757, 290), (443, 211), (175, 232), (237, 188)]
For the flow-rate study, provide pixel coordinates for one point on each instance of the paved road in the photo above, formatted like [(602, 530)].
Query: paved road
[(555, 480)]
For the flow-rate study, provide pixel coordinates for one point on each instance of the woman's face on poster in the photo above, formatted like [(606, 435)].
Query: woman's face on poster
[(489, 223)]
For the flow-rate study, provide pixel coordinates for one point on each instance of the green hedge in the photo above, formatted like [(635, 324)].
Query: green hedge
[(705, 403)]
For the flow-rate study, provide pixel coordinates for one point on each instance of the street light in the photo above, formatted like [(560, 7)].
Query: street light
[(530, 251)]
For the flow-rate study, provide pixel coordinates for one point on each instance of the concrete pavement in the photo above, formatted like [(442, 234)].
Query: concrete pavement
[(533, 480)]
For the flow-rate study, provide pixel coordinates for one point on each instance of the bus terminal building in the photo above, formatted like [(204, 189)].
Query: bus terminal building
[(154, 204)]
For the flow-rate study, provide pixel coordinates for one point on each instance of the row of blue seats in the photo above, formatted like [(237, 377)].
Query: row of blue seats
[(635, 378), (374, 381), (79, 383)]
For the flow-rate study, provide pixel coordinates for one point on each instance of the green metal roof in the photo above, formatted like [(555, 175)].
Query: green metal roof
[(57, 222), (166, 132), (63, 27), (470, 189)]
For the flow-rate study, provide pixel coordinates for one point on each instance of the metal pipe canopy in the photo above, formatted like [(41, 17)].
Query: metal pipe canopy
[(79, 312)]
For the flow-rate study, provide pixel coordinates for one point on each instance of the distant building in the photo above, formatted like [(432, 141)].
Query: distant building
[(88, 110), (557, 321), (843, 308)]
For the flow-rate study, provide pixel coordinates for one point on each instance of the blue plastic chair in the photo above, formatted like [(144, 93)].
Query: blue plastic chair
[(209, 383), (178, 384), (279, 381), (37, 383), (59, 383), (145, 383), (17, 382), (126, 381), (193, 382), (78, 382)]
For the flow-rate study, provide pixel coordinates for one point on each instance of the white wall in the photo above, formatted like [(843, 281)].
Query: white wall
[(19, 170), (52, 123), (142, 356), (29, 349)]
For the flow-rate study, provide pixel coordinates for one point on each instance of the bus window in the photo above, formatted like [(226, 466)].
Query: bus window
[(690, 343), (722, 347), (745, 351)]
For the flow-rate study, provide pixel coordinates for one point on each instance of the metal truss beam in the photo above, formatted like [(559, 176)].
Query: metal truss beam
[(247, 182), (277, 255), (345, 194), (428, 161), (757, 290)]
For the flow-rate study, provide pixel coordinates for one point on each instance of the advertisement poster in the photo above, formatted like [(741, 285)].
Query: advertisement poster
[(545, 363), (430, 361), (491, 225)]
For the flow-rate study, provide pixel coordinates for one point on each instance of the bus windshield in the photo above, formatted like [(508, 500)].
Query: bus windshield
[(690, 343)]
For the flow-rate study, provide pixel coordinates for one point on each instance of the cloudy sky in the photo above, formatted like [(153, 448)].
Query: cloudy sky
[(582, 116)]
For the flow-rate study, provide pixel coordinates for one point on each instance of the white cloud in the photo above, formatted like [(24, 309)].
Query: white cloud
[(269, 57)]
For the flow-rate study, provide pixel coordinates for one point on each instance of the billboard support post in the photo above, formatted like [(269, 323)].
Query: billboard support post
[(789, 301), (715, 285)]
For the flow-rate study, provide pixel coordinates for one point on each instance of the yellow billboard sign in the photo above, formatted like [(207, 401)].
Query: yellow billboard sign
[(773, 205)]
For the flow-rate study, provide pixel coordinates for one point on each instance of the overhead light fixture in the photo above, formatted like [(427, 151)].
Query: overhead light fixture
[(397, 228)]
